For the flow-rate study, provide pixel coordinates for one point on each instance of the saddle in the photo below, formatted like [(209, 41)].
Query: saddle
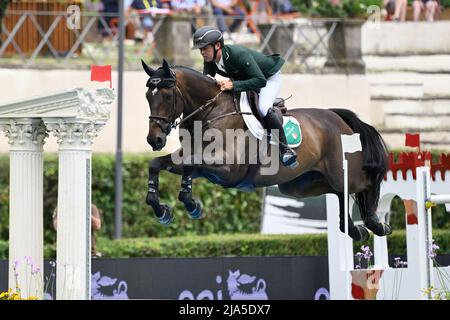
[(253, 99)]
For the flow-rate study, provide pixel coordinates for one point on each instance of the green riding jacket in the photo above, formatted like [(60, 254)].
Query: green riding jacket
[(248, 69)]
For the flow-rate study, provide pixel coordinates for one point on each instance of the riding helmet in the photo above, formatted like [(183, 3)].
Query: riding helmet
[(207, 35)]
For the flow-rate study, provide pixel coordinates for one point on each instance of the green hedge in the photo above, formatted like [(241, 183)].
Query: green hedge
[(234, 245), (246, 245), (227, 210)]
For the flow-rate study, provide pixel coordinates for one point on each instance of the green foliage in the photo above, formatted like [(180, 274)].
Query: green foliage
[(440, 217), (247, 245), (225, 210), (235, 245), (4, 250), (345, 8), (216, 245)]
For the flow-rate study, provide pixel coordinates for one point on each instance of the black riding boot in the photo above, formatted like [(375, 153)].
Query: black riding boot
[(287, 156)]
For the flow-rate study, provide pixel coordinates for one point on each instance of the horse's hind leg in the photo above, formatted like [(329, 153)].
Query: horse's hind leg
[(366, 199), (367, 202), (358, 232), (314, 184)]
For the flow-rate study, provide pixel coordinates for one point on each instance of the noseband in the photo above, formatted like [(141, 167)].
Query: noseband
[(158, 83)]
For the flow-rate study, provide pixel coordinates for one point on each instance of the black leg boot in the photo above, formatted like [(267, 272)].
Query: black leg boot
[(287, 156)]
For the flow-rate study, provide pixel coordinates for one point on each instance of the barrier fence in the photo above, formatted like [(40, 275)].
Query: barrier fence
[(31, 36)]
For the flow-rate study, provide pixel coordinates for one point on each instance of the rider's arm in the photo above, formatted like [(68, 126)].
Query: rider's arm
[(208, 69), (255, 78)]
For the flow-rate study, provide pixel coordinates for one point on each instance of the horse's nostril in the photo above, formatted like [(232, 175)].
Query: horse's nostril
[(159, 141)]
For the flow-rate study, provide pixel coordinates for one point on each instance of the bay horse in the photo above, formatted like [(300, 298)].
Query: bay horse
[(180, 91)]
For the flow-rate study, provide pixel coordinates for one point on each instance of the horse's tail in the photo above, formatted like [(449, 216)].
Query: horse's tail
[(375, 159)]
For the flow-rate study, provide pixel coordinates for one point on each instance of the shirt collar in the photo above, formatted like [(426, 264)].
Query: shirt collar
[(221, 65)]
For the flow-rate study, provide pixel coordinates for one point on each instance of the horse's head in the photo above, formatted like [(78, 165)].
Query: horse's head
[(165, 107)]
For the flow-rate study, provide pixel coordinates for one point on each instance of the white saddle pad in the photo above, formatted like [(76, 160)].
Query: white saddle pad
[(255, 126)]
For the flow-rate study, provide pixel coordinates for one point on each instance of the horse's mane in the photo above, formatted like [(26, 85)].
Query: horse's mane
[(194, 73)]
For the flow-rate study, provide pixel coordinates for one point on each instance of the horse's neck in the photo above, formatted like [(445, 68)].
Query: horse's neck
[(197, 98)]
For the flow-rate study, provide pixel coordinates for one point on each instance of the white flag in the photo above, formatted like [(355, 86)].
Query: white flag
[(351, 143)]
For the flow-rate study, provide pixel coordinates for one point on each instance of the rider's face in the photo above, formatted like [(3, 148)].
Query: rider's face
[(208, 52)]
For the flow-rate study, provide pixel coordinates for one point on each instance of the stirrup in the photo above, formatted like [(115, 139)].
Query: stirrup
[(289, 159)]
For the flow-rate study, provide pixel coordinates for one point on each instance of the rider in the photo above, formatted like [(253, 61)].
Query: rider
[(247, 70)]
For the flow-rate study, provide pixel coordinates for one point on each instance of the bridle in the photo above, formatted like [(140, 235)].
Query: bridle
[(166, 124)]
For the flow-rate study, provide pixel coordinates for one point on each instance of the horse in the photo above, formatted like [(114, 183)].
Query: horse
[(175, 91)]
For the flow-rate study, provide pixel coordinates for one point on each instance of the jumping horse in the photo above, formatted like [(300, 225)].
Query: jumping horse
[(178, 91)]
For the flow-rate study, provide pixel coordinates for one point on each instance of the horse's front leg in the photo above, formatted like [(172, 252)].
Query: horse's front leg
[(162, 211), (193, 206)]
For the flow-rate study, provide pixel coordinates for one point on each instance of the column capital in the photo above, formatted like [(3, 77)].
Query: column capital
[(24, 134), (74, 134)]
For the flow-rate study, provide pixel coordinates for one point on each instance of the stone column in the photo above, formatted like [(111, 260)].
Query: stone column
[(26, 242), (73, 263)]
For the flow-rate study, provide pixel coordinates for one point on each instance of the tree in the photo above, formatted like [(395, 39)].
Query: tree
[(3, 6)]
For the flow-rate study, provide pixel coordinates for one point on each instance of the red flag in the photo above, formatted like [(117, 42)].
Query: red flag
[(101, 74), (412, 140)]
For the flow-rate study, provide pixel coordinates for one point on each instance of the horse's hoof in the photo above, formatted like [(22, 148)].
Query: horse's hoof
[(387, 229), (198, 211), (363, 233), (380, 229), (167, 216)]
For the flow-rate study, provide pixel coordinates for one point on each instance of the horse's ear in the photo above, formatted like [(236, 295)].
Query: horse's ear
[(166, 68), (148, 70)]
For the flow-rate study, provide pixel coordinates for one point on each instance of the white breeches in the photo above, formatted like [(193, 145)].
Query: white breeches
[(269, 93)]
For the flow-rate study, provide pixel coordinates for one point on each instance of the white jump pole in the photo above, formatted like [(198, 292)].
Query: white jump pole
[(438, 199), (347, 240), (427, 203), (350, 144), (425, 226)]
